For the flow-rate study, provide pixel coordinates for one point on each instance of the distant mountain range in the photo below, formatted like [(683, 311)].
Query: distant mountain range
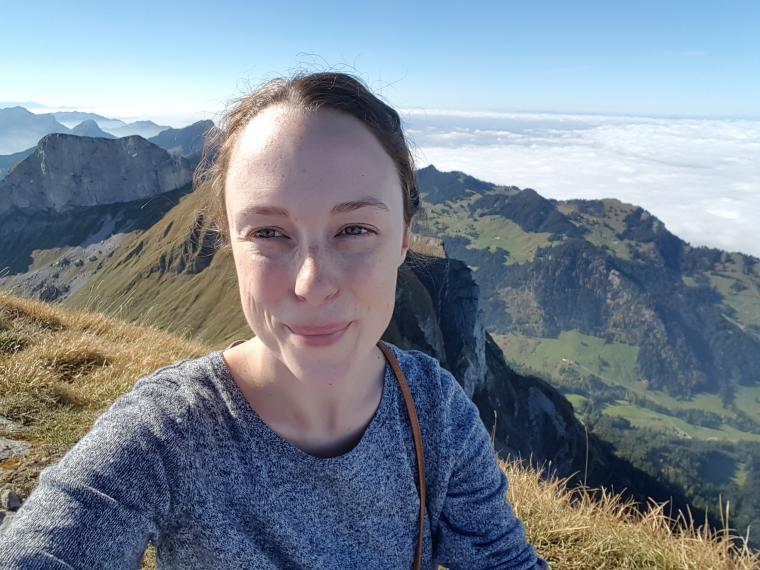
[(186, 142), (21, 129), (73, 118)]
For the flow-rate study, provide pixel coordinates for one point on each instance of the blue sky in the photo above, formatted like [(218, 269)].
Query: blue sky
[(185, 59), (654, 103)]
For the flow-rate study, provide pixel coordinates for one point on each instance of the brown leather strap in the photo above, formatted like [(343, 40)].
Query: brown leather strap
[(401, 377)]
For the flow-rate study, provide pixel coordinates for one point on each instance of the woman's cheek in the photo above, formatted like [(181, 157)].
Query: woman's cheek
[(262, 276)]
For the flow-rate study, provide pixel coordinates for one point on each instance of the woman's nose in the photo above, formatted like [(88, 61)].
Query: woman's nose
[(314, 282)]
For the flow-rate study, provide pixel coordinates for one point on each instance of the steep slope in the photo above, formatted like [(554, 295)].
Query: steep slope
[(606, 270), (170, 276), (8, 161)]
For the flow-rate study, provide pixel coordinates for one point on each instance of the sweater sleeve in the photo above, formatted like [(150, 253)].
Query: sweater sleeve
[(477, 528), (101, 503)]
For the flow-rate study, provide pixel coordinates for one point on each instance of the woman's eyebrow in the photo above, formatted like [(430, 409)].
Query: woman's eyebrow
[(341, 208)]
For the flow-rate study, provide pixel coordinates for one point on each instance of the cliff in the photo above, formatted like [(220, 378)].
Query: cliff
[(67, 171)]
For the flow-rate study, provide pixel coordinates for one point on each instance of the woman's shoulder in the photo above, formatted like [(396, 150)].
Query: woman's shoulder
[(171, 390), (432, 385)]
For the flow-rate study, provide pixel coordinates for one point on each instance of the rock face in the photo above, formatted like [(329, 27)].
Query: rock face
[(67, 171), (531, 417)]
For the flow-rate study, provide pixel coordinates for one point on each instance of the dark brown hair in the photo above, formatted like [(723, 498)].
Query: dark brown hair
[(307, 91)]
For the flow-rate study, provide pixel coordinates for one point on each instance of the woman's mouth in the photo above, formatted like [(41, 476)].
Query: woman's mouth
[(322, 335)]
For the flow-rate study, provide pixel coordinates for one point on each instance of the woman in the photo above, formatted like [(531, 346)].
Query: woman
[(314, 444)]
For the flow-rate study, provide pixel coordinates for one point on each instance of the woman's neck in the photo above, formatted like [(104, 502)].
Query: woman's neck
[(313, 408)]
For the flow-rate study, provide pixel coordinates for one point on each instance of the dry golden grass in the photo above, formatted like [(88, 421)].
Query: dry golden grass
[(586, 528), (60, 369)]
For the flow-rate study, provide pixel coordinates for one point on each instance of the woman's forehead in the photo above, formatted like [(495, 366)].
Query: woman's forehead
[(279, 132), (285, 153)]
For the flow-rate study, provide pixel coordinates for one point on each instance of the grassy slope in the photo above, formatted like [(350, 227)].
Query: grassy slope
[(615, 363), (208, 301), (453, 219), (60, 369)]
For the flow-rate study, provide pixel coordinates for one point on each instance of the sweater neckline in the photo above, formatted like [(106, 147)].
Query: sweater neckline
[(282, 446)]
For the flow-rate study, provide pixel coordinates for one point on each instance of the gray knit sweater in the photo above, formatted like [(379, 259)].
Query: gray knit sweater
[(185, 462)]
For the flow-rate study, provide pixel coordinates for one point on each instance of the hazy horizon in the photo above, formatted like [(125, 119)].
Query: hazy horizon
[(700, 177)]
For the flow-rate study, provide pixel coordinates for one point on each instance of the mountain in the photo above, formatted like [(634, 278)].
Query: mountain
[(654, 342), (73, 118), (76, 191), (66, 171), (187, 142), (145, 129), (681, 319), (21, 129), (7, 161), (89, 128)]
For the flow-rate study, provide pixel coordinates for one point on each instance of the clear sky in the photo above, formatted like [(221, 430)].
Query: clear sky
[(170, 58)]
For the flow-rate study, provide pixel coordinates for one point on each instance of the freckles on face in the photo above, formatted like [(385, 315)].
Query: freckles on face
[(305, 251)]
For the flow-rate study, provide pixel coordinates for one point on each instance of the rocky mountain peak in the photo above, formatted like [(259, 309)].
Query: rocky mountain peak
[(67, 171)]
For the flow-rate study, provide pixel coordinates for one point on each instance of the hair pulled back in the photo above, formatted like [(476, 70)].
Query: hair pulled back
[(305, 91)]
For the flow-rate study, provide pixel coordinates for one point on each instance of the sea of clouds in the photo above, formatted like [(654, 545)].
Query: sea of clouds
[(701, 177)]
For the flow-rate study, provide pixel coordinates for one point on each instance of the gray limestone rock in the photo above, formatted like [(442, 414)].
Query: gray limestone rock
[(67, 171)]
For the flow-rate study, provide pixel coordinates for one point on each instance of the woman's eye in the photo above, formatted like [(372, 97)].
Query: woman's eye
[(269, 233), (257, 233), (359, 233)]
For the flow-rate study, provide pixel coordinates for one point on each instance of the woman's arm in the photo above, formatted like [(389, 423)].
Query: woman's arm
[(101, 503), (477, 528)]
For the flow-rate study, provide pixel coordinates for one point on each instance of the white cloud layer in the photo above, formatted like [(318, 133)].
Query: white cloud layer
[(700, 177)]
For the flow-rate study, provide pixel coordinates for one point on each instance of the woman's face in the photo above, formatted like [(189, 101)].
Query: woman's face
[(315, 211)]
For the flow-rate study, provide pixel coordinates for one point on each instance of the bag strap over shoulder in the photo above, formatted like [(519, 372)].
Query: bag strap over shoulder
[(417, 433)]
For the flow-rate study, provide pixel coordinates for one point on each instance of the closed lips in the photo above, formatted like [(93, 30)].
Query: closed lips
[(320, 330)]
